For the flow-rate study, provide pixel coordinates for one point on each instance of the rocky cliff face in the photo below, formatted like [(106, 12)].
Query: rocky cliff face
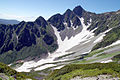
[(26, 39)]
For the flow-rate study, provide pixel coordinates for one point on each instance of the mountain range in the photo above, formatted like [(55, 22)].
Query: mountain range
[(77, 34), (5, 21), (29, 39)]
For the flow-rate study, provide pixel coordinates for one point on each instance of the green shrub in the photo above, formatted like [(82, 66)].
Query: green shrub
[(10, 72)]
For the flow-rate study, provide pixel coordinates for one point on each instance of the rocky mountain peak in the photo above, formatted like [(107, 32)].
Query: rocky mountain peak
[(22, 22), (68, 11), (41, 21), (78, 10), (57, 21)]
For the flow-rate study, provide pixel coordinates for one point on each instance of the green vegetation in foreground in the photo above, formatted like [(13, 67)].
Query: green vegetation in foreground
[(39, 74), (86, 73), (12, 74), (34, 74), (85, 70)]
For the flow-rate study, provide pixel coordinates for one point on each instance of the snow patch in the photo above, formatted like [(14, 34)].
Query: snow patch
[(87, 52), (44, 67), (115, 43), (107, 30), (17, 38), (65, 24), (71, 22), (99, 39), (106, 61), (74, 28), (59, 67), (25, 67), (94, 29)]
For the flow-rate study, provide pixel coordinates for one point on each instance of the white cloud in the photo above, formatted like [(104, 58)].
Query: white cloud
[(17, 17)]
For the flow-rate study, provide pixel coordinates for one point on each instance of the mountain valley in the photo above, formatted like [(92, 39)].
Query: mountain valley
[(55, 48)]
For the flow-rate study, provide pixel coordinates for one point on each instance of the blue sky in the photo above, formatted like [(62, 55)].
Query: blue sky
[(29, 10)]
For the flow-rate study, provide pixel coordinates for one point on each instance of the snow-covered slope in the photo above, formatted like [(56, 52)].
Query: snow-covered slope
[(64, 45), (81, 43), (74, 40)]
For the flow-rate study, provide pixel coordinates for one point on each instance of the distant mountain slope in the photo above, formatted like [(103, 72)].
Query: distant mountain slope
[(5, 21)]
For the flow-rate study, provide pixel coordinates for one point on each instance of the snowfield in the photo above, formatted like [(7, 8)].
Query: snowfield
[(65, 45), (82, 38), (73, 41), (26, 67), (99, 39), (115, 43)]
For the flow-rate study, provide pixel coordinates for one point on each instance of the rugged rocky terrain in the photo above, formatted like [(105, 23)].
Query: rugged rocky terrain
[(26, 40)]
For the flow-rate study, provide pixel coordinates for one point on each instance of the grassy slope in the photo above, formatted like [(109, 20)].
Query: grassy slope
[(12, 74), (85, 70)]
